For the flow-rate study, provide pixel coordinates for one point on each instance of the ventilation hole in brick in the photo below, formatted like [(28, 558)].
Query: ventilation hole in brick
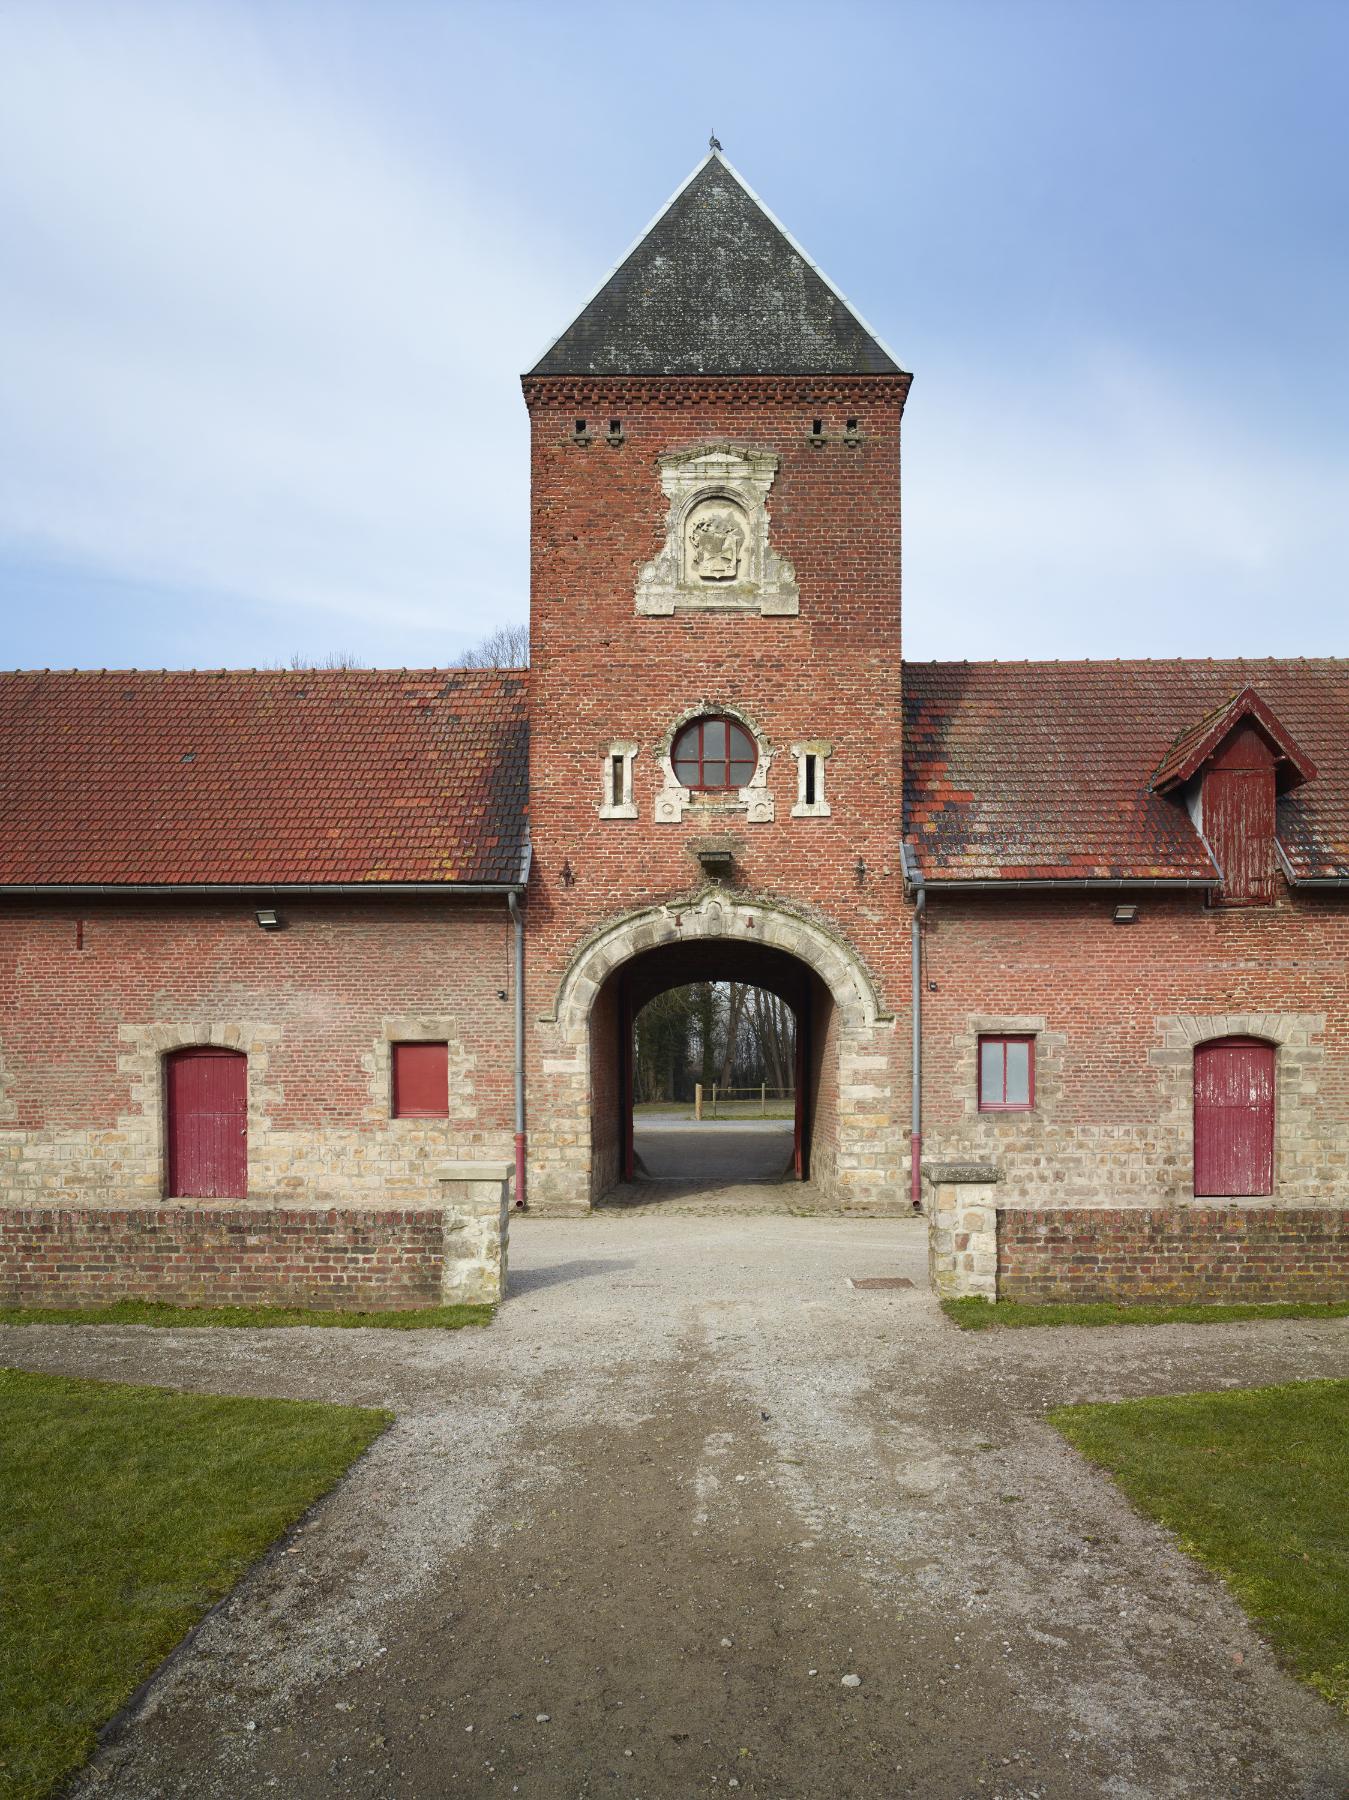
[(852, 427), (817, 427), (615, 426), (616, 779), (810, 781), (580, 427)]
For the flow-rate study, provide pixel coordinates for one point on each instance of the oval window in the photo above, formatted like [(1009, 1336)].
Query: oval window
[(714, 756)]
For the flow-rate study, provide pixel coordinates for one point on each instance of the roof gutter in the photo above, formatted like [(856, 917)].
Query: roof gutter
[(1307, 881), (1103, 884), (344, 889)]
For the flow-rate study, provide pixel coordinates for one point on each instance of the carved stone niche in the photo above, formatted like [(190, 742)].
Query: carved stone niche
[(717, 557)]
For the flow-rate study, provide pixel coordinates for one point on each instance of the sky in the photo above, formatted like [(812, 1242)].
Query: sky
[(269, 275)]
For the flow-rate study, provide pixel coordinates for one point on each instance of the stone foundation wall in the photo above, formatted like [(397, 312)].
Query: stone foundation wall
[(1187, 1253)]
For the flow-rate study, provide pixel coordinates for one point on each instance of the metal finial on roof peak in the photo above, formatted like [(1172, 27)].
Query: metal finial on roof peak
[(714, 142)]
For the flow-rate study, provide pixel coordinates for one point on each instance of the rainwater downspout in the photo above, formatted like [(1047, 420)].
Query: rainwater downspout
[(916, 1124), (517, 919)]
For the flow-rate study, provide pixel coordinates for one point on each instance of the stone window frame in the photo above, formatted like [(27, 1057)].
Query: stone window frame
[(144, 1056), (674, 799), (1004, 1038), (1049, 1052), (623, 806), (818, 808), (420, 1028), (1298, 1057)]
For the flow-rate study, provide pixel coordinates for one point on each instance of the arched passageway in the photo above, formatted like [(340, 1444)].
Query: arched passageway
[(703, 965), (851, 1146)]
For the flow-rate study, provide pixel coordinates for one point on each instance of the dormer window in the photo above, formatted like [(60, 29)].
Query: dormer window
[(1228, 771), (714, 756)]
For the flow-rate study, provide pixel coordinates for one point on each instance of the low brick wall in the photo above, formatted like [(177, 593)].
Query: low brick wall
[(233, 1253), (214, 1256), (1173, 1254)]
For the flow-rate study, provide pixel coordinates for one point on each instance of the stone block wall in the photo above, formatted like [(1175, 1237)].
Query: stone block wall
[(1176, 1254), (962, 1229)]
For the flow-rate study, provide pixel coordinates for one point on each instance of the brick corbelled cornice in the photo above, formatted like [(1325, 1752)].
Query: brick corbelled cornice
[(619, 391)]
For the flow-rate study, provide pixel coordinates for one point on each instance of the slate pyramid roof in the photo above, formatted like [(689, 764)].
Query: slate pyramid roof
[(716, 286)]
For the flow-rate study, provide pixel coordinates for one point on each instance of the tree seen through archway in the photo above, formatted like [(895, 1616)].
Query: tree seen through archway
[(730, 1034)]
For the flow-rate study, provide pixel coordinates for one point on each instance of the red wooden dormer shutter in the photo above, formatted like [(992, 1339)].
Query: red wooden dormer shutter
[(1238, 817)]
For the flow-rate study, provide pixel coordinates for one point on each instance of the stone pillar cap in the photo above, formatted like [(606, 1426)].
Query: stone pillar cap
[(475, 1171), (943, 1174)]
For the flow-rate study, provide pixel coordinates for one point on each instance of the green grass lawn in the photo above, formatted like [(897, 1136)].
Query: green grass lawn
[(156, 1312), (1253, 1483), (125, 1513), (976, 1314)]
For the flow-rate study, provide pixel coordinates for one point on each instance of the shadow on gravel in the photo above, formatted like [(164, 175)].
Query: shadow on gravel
[(528, 1281)]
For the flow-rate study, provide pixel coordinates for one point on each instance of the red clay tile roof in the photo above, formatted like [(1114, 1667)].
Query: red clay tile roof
[(268, 777), (1193, 748), (1043, 771)]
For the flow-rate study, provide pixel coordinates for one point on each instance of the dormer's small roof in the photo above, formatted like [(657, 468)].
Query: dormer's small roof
[(716, 286), (1193, 748)]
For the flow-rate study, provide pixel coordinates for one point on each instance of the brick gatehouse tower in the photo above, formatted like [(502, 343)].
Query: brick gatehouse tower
[(716, 687)]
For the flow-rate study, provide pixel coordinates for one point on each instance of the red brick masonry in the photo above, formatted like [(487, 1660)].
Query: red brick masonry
[(222, 1256), (1176, 1254)]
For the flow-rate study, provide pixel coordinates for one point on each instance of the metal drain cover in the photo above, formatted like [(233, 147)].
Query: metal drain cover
[(879, 1281)]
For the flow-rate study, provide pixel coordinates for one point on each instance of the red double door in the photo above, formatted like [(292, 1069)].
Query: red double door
[(1234, 1117), (207, 1120)]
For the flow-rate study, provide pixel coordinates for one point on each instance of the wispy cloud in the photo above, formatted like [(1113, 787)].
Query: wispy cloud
[(1112, 506), (264, 309), (256, 348)]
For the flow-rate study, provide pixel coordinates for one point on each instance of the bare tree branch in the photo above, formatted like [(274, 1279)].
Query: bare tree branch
[(505, 648)]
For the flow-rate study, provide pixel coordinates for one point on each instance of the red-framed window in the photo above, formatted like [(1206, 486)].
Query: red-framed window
[(421, 1081), (1007, 1073), (714, 756)]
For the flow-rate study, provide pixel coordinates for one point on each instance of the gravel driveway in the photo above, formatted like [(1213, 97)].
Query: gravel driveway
[(632, 1540)]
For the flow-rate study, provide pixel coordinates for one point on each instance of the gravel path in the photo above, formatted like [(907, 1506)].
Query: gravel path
[(632, 1540)]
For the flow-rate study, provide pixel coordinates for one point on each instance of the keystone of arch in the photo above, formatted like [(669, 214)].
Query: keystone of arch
[(714, 916)]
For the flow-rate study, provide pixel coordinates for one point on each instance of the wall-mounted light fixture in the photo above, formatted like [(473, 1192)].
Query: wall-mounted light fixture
[(269, 918), (1126, 914)]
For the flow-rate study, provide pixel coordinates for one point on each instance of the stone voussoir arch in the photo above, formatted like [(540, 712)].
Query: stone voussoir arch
[(730, 920)]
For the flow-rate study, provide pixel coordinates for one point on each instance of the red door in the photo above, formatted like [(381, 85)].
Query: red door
[(1234, 1117), (208, 1124)]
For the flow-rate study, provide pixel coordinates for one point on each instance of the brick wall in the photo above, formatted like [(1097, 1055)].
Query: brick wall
[(1116, 1012), (603, 674), (93, 995), (222, 1256), (1188, 1253)]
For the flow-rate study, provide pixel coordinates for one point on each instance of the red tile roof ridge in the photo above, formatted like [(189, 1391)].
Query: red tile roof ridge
[(1126, 662), (436, 669)]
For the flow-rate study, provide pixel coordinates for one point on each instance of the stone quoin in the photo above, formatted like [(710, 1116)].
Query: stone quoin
[(1071, 937)]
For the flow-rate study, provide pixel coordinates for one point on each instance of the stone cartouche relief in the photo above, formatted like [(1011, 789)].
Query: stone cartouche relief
[(716, 555)]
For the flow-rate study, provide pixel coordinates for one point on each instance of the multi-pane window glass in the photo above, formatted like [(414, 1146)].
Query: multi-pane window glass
[(1006, 1074), (714, 755)]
